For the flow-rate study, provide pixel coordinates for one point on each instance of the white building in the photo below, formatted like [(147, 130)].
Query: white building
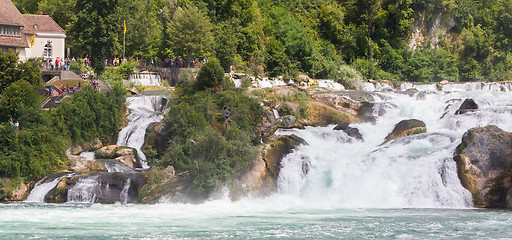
[(32, 36)]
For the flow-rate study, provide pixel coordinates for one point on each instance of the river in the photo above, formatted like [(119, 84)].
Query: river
[(245, 219), (334, 187)]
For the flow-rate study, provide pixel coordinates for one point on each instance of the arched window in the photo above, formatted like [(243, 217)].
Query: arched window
[(47, 53)]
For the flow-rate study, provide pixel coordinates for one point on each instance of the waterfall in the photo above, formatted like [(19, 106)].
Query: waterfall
[(124, 194), (270, 82), (330, 84), (87, 155), (411, 172), (116, 166), (86, 190), (146, 79), (144, 110), (44, 186)]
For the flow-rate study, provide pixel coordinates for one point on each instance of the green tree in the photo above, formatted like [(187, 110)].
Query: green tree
[(143, 29), (95, 30), (27, 6), (189, 33), (210, 76), (11, 71), (18, 95), (60, 10)]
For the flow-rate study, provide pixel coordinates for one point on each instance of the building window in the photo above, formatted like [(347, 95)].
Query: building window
[(12, 31), (47, 52)]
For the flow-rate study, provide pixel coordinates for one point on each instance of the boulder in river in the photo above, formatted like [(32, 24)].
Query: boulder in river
[(484, 160), (350, 131), (469, 105), (407, 128)]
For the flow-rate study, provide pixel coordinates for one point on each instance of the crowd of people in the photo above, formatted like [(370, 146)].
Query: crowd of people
[(64, 89), (61, 63), (180, 63), (65, 63)]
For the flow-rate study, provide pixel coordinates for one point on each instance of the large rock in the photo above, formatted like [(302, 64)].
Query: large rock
[(99, 188), (338, 102), (123, 154), (106, 151), (321, 114), (350, 131), (469, 105), (260, 178), (127, 156), (166, 186), (407, 128), (287, 121), (82, 164), (12, 191), (155, 140), (483, 161)]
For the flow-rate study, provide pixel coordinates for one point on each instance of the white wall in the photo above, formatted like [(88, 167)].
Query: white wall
[(58, 45)]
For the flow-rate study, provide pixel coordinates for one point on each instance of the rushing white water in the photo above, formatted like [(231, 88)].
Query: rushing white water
[(87, 155), (144, 110), (124, 193), (43, 187), (270, 82), (330, 84), (416, 171), (146, 79), (116, 166), (85, 190)]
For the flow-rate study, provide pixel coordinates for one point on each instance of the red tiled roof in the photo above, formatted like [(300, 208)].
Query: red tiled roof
[(19, 42), (41, 23), (9, 14)]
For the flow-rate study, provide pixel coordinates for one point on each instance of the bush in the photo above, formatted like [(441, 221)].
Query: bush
[(90, 114), (211, 75), (200, 143), (350, 77)]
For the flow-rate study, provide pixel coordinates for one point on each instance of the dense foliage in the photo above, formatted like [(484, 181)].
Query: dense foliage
[(207, 141), (315, 37), (37, 146)]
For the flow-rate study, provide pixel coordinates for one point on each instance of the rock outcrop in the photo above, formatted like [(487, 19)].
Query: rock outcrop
[(122, 154), (260, 178), (469, 105), (350, 131), (407, 128), (13, 191), (484, 161)]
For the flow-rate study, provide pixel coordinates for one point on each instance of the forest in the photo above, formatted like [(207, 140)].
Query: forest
[(325, 39)]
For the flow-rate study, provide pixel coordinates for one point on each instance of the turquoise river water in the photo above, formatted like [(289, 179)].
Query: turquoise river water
[(220, 220)]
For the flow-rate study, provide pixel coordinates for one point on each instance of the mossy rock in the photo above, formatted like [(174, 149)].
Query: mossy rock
[(278, 150), (484, 166), (407, 128), (160, 184), (320, 114)]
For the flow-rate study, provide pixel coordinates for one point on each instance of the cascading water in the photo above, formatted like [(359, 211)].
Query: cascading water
[(44, 186), (124, 194), (116, 166), (144, 110), (270, 82), (146, 79), (86, 190), (412, 172)]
